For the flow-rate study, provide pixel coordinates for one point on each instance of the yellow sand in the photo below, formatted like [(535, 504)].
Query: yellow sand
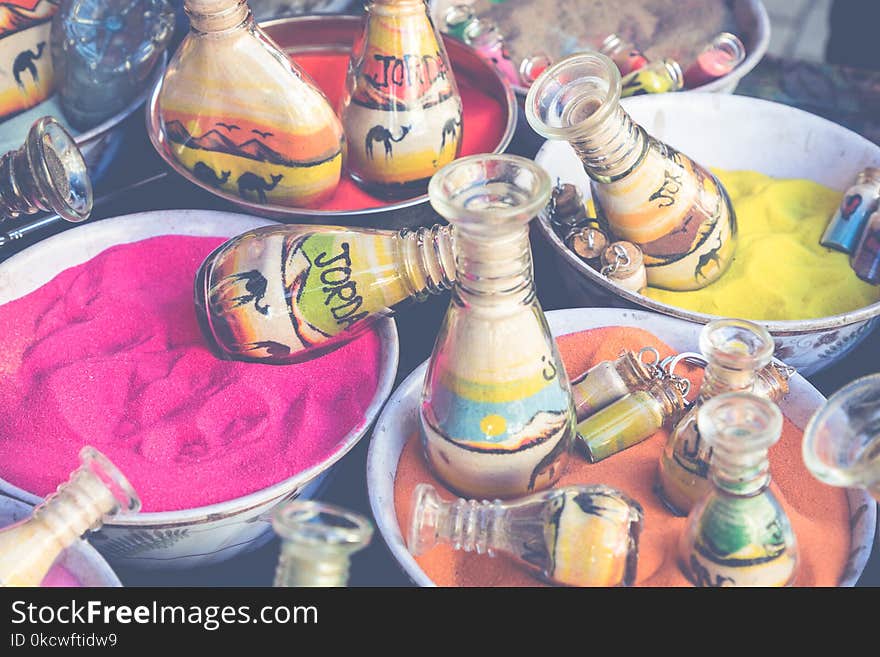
[(780, 270)]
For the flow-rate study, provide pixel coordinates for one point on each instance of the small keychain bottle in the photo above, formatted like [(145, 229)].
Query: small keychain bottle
[(242, 117), (572, 536), (496, 415), (487, 40), (457, 18), (566, 205), (631, 419), (865, 260), (588, 240), (623, 263), (857, 204), (654, 78), (735, 351), (739, 534), (46, 173), (95, 492), (401, 109), (608, 381), (286, 293), (317, 542), (716, 59), (623, 53)]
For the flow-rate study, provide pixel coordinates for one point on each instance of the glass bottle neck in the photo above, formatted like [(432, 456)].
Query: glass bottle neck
[(612, 148), (719, 379), (428, 256), (494, 268), (396, 7), (79, 506), (471, 526), (745, 476), (299, 566), (216, 16)]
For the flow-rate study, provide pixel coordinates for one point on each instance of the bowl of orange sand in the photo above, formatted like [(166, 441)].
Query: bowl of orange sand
[(101, 346), (786, 171), (834, 527)]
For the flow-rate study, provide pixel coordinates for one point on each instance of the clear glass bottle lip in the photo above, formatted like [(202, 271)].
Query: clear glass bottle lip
[(319, 525), (48, 139), (832, 448), (738, 425), (112, 478), (736, 344), (489, 190), (544, 94)]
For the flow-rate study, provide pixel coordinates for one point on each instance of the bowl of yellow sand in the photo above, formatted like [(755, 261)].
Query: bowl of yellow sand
[(786, 171)]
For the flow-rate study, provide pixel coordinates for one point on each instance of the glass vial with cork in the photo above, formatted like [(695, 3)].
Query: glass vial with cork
[(858, 202), (655, 78), (675, 210), (496, 415)]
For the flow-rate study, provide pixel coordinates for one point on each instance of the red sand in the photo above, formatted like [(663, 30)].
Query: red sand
[(109, 354), (818, 513)]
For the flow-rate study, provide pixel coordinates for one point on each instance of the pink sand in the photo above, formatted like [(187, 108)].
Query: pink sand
[(109, 354), (59, 576)]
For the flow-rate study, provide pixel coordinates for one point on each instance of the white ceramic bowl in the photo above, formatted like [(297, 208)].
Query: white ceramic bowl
[(207, 534), (401, 417), (732, 132), (81, 560)]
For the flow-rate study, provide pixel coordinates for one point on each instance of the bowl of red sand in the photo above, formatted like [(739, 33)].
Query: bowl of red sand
[(834, 527), (321, 45), (100, 345), (78, 565)]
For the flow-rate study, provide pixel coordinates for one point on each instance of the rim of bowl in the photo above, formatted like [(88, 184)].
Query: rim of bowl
[(390, 345), (385, 511), (282, 212), (788, 327)]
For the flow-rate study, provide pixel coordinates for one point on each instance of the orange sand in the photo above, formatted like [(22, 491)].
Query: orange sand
[(818, 513)]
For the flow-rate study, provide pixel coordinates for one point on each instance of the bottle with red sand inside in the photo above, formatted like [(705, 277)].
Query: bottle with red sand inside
[(94, 492), (242, 117), (283, 294)]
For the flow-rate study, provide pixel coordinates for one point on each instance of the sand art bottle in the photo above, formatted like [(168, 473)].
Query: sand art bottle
[(282, 294), (735, 350), (95, 491), (673, 209), (317, 542), (624, 54), (487, 40), (572, 536), (654, 78), (716, 59), (858, 202), (865, 260), (401, 110), (739, 534), (46, 173), (497, 417), (608, 381), (245, 119)]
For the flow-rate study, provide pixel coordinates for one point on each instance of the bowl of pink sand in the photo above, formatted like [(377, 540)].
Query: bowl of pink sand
[(79, 565), (101, 346)]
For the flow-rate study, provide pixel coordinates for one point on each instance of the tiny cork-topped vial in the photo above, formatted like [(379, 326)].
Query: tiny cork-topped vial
[(608, 381), (282, 294), (95, 492), (735, 350), (496, 413), (858, 203), (673, 209), (624, 263), (569, 536), (625, 54), (654, 78), (317, 542), (865, 259), (47, 173), (739, 534), (401, 109), (242, 117)]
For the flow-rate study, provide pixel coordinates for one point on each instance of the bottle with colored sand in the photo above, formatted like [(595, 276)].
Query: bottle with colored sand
[(47, 173), (401, 109), (496, 416), (625, 55), (487, 40), (95, 492), (287, 293), (858, 202), (654, 78), (716, 59), (242, 117), (735, 350), (457, 18), (608, 381), (317, 542), (675, 210), (842, 440), (739, 534), (865, 260), (571, 536)]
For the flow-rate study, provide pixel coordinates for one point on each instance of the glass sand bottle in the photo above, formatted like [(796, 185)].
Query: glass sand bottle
[(739, 534), (281, 294), (317, 542), (95, 492), (573, 536), (497, 416), (735, 350), (675, 210), (242, 117), (401, 110)]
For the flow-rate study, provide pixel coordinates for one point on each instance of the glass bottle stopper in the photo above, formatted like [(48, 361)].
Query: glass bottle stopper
[(317, 542), (46, 173)]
